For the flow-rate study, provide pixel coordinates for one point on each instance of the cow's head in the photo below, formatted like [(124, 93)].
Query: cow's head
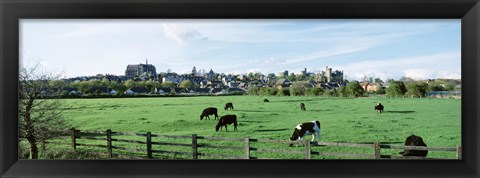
[(295, 135), (292, 139), (217, 127), (416, 140), (201, 116)]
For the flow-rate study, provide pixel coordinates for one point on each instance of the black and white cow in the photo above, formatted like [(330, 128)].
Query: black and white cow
[(379, 107), (307, 128)]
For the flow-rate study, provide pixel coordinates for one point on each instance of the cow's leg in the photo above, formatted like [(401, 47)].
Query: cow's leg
[(226, 128), (318, 135)]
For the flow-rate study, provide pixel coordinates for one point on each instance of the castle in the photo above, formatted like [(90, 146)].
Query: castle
[(141, 71), (328, 76)]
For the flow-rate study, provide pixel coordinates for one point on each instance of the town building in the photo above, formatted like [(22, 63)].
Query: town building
[(328, 76), (143, 71)]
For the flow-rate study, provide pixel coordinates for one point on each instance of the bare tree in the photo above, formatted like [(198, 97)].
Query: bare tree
[(40, 109)]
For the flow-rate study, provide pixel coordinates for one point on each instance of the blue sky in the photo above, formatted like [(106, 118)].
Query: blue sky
[(387, 49)]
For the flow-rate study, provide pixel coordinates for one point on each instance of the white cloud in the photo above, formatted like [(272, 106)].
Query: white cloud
[(418, 74), (273, 60), (233, 45), (181, 35), (422, 74), (416, 67), (269, 61), (450, 74), (344, 48), (360, 75)]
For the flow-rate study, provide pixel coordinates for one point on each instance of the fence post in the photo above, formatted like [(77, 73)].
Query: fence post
[(74, 140), (194, 146), (149, 145), (247, 147), (459, 152), (308, 150), (109, 143), (376, 148)]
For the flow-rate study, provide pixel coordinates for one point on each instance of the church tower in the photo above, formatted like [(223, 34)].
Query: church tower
[(194, 71)]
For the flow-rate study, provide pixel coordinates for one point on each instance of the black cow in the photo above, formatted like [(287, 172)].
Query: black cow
[(301, 130), (302, 106), (414, 140), (379, 107), (265, 100), (225, 120), (209, 111), (229, 105)]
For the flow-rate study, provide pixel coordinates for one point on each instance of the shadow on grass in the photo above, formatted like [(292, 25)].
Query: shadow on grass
[(271, 130), (250, 110), (251, 121), (291, 101), (370, 142), (403, 112), (319, 110)]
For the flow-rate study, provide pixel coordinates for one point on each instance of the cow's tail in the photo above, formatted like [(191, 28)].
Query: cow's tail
[(235, 125)]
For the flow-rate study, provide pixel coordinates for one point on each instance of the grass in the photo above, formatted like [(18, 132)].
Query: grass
[(437, 121)]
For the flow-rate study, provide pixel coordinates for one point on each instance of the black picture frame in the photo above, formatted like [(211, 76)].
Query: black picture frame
[(13, 10)]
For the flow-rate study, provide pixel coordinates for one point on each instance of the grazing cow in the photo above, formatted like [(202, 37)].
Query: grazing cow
[(302, 106), (379, 107), (225, 120), (301, 130), (265, 100), (228, 105), (414, 140), (209, 111)]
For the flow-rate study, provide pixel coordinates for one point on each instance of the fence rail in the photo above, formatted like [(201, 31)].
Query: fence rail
[(247, 148)]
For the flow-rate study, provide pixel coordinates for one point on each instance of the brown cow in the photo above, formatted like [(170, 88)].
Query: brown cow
[(414, 140), (229, 105), (225, 120), (209, 111), (302, 106)]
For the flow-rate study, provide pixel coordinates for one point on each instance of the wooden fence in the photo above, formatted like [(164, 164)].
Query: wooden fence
[(246, 148)]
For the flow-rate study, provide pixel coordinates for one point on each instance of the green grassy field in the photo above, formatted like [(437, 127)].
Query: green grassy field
[(438, 121)]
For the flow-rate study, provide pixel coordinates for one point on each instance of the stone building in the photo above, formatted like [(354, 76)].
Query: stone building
[(328, 76), (145, 71)]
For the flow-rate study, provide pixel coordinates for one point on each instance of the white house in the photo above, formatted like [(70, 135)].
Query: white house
[(113, 92)]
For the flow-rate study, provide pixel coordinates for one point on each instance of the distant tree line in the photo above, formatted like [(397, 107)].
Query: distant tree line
[(405, 87), (413, 89), (84, 86)]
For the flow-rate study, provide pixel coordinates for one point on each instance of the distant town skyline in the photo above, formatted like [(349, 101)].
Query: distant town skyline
[(386, 49)]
